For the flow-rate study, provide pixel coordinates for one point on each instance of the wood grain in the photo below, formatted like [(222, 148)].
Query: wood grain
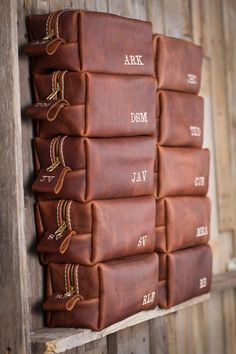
[(67, 338), (14, 307), (202, 329)]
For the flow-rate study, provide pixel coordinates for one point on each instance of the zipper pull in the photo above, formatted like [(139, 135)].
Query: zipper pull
[(60, 230), (70, 292), (62, 302), (54, 165), (56, 242), (50, 182), (54, 93), (49, 36)]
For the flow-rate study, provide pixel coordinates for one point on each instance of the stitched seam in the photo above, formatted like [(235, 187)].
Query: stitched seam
[(57, 24), (47, 23), (58, 211), (77, 279), (53, 80), (63, 84), (65, 277), (61, 150), (51, 150), (68, 214)]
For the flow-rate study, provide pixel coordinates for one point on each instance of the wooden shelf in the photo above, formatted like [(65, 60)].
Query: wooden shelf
[(58, 340)]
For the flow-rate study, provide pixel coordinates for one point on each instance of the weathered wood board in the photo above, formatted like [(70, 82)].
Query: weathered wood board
[(211, 24)]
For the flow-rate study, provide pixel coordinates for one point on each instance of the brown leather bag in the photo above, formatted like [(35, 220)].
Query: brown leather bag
[(178, 64), (85, 169), (79, 40), (100, 106), (97, 296), (182, 171), (182, 222), (89, 233), (179, 119), (184, 275)]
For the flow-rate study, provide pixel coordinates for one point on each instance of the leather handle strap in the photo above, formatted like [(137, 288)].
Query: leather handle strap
[(48, 47)]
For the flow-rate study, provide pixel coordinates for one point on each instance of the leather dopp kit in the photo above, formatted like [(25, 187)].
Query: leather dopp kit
[(99, 295), (96, 231), (177, 64), (94, 168), (181, 174), (60, 109), (173, 235), (122, 215), (193, 280), (90, 41)]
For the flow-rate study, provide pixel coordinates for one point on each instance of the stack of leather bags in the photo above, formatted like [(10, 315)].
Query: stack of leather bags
[(94, 86), (182, 172)]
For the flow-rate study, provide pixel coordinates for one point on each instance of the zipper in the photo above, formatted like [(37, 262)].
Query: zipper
[(63, 217), (57, 85), (71, 279), (52, 24), (56, 153)]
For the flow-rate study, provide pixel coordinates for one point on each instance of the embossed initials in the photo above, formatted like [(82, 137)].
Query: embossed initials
[(195, 131), (142, 241), (47, 178), (192, 79), (133, 60), (202, 283), (139, 117), (202, 231), (199, 181), (139, 176), (52, 236), (149, 298)]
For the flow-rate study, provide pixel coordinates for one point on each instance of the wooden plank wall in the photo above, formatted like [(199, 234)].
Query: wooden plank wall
[(206, 328)]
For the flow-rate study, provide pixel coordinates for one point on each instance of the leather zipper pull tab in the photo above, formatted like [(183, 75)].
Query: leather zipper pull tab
[(46, 110), (56, 242), (43, 47), (62, 302), (53, 45), (50, 180)]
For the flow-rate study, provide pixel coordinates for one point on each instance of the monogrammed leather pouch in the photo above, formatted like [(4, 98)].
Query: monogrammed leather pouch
[(88, 233), (97, 296), (179, 119), (178, 64), (182, 222), (90, 41), (184, 275), (182, 171), (83, 169), (93, 105)]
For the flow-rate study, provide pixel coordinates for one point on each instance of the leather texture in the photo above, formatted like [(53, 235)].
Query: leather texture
[(104, 229), (178, 64), (128, 100), (110, 292), (184, 275), (182, 222), (182, 171), (120, 45), (179, 119), (100, 168)]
